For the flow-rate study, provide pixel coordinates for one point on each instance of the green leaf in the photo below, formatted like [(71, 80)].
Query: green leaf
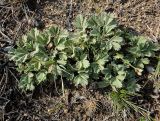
[(37, 50), (116, 42), (101, 24), (79, 65), (145, 60), (80, 23), (142, 47), (63, 55), (96, 32), (108, 45), (54, 31), (108, 29), (63, 33), (60, 44), (121, 77), (92, 22), (32, 35), (42, 39), (101, 20), (101, 59), (81, 79), (35, 64), (85, 63), (41, 76), (26, 82), (118, 56), (116, 83), (19, 55), (95, 68), (61, 62), (116, 46), (132, 86)]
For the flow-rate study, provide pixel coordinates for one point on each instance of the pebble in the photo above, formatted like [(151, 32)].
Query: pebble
[(150, 69)]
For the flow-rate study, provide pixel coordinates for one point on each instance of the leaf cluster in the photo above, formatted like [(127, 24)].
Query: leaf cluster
[(96, 51)]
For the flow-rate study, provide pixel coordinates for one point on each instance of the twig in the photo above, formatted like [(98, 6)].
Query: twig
[(13, 75), (1, 85), (62, 86), (2, 79), (70, 11), (17, 29), (4, 101), (4, 85), (2, 107), (5, 36), (154, 36), (55, 85), (17, 82), (158, 29)]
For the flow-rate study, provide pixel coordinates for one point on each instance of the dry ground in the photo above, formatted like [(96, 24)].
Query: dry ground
[(19, 16)]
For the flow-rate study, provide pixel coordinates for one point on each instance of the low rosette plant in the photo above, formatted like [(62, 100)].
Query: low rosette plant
[(97, 51)]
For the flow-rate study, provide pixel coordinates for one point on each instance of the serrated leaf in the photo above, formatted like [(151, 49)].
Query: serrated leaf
[(60, 43), (26, 82), (116, 46), (42, 39), (96, 32), (63, 33), (118, 56), (101, 58), (35, 63), (142, 47), (108, 45), (54, 31), (95, 68), (63, 55), (116, 83), (145, 60), (121, 77), (132, 86), (93, 21), (32, 35), (41, 76), (61, 62), (116, 42), (19, 55), (81, 79), (108, 29), (116, 39), (79, 65), (85, 63), (80, 22), (37, 50)]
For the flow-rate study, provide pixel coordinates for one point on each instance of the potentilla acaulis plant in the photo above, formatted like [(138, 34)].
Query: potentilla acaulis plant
[(97, 51)]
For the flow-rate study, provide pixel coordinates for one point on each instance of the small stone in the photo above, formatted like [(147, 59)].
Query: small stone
[(150, 69)]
